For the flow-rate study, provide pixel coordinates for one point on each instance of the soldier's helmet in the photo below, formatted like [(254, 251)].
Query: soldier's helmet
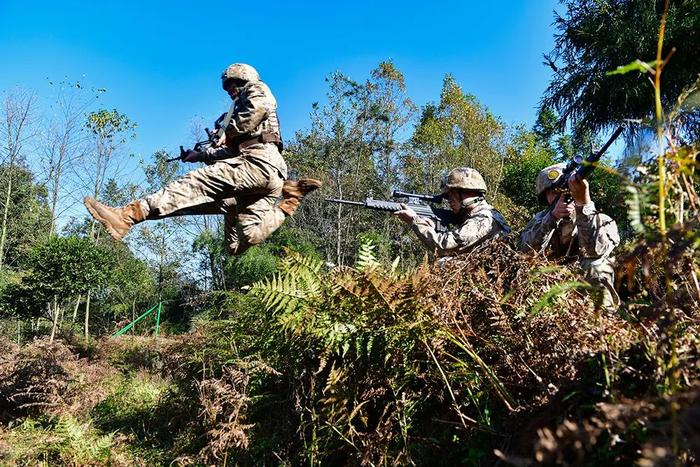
[(546, 178), (463, 178), (239, 72)]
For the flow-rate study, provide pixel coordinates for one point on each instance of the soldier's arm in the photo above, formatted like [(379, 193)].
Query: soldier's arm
[(538, 232), (251, 110), (211, 155), (597, 232), (450, 243)]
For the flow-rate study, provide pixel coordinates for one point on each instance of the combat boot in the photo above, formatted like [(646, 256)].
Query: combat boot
[(294, 191), (117, 221), (299, 189)]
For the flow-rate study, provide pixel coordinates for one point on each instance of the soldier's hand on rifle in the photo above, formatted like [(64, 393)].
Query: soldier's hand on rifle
[(563, 209), (193, 156), (221, 142), (406, 214), (579, 190)]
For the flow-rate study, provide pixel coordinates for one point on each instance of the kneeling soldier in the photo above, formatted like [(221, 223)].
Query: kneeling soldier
[(464, 188), (573, 228), (244, 177)]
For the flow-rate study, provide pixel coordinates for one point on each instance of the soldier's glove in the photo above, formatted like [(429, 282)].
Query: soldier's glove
[(193, 156)]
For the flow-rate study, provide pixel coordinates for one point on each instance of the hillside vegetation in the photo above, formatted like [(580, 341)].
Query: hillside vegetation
[(339, 341)]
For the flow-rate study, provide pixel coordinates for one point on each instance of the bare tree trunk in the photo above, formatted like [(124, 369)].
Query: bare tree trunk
[(60, 318), (5, 213), (75, 309), (16, 113), (19, 330), (339, 226), (87, 315), (55, 317), (61, 144)]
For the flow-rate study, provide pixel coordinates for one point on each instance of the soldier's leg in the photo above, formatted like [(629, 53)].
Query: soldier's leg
[(187, 195), (206, 186), (254, 218)]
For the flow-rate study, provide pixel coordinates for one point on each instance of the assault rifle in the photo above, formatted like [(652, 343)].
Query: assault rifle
[(442, 217), (583, 167), (213, 137)]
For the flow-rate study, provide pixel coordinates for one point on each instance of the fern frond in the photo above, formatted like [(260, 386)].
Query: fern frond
[(306, 270), (280, 293), (296, 263), (366, 259)]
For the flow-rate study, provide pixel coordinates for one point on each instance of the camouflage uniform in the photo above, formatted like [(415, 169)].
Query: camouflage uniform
[(242, 180), (482, 223), (590, 237)]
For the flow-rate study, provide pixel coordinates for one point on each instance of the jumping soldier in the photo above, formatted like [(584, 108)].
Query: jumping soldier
[(244, 176), (574, 229), (464, 188)]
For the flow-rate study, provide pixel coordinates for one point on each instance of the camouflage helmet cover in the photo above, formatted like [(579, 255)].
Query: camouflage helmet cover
[(463, 178), (240, 71), (546, 179)]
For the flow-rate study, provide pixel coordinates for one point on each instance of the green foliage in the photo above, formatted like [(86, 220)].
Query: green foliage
[(354, 147), (130, 284), (526, 157), (135, 398), (607, 188), (66, 266), (260, 261), (354, 322), (598, 36), (458, 131), (64, 441), (60, 267), (28, 215), (110, 126), (297, 283)]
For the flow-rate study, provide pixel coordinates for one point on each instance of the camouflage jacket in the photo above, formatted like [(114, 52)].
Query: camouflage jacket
[(254, 114), (592, 235), (482, 223)]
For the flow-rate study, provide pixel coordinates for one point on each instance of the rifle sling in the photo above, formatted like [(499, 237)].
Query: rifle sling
[(229, 115)]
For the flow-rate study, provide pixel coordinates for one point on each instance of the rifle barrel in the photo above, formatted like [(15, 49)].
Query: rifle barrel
[(589, 164), (344, 201), (612, 139)]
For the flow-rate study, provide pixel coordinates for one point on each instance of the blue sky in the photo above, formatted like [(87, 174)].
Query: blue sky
[(161, 61)]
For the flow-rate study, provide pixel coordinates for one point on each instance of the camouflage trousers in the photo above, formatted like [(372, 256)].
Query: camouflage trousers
[(601, 272), (244, 190)]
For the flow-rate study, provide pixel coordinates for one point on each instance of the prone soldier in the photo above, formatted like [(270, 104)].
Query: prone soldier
[(244, 176), (464, 188), (573, 228)]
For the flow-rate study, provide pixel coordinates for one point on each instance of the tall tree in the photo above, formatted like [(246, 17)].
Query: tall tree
[(353, 146), (15, 133), (109, 130), (63, 142), (162, 243), (457, 131), (597, 36), (28, 215)]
